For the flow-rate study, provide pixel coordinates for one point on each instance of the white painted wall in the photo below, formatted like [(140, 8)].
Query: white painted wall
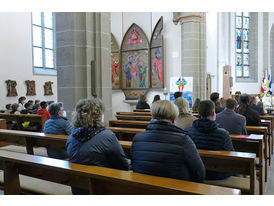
[(16, 58), (120, 22)]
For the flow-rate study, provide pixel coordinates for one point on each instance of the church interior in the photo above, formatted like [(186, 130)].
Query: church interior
[(136, 103)]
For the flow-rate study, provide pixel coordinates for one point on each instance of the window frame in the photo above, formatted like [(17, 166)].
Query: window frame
[(242, 53), (44, 70)]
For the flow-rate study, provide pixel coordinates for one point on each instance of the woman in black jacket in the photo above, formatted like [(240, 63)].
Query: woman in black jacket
[(165, 149), (252, 117)]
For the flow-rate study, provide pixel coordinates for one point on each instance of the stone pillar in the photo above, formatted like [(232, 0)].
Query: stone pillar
[(266, 44), (83, 40), (193, 44)]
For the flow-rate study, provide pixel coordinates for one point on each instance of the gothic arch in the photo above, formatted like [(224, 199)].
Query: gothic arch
[(156, 56), (135, 67)]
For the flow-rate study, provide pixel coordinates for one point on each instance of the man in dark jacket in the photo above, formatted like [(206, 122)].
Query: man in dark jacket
[(231, 121), (206, 135), (215, 97), (165, 149)]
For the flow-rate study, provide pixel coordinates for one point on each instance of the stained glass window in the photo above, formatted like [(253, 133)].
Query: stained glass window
[(43, 42), (242, 44)]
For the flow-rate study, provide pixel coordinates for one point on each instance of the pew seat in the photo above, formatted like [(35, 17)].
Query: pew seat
[(40, 151), (240, 183)]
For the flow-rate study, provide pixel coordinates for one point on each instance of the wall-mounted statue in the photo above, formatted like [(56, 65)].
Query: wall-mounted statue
[(11, 87), (30, 88), (48, 88)]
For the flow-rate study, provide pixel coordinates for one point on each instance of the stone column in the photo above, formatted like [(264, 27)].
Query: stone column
[(193, 44), (266, 44), (83, 40)]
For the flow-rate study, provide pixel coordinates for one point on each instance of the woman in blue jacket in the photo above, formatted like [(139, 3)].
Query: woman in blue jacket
[(92, 144), (165, 149)]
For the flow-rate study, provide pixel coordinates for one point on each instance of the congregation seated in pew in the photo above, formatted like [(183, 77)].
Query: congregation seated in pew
[(185, 119), (231, 121), (165, 149), (57, 124), (208, 136), (142, 102), (252, 117), (90, 142)]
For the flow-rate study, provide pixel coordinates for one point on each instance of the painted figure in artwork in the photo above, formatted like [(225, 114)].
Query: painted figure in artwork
[(131, 69), (142, 70), (115, 71), (11, 87), (157, 65)]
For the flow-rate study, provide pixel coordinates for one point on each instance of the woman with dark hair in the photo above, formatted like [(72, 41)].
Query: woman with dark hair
[(156, 98), (196, 104), (252, 117), (90, 142), (142, 102)]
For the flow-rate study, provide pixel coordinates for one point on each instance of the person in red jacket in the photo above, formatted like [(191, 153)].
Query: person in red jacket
[(42, 110)]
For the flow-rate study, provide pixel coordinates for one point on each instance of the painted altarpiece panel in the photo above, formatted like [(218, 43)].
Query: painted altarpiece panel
[(135, 62), (115, 63), (156, 55)]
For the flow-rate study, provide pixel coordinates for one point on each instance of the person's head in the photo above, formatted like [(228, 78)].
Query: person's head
[(207, 109), (214, 96), (43, 105), (231, 104), (88, 112), (14, 107), (36, 106), (177, 94), (156, 98), (182, 105), (261, 104), (244, 99), (8, 106), (37, 101), (30, 101), (22, 100), (252, 100), (28, 105), (142, 99), (196, 104), (164, 110), (56, 109)]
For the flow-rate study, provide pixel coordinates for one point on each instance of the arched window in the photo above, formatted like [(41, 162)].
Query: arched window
[(242, 45), (43, 43)]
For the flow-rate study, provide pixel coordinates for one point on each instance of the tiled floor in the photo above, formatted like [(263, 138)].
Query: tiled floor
[(270, 183)]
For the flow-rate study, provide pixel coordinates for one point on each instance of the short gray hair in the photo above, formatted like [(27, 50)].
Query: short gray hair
[(164, 109), (182, 105), (54, 108)]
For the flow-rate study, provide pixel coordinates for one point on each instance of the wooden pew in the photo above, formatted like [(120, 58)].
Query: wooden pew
[(261, 130), (135, 117), (3, 125), (270, 118), (98, 180), (134, 113), (129, 123), (141, 110), (33, 139), (267, 123), (20, 118), (223, 161)]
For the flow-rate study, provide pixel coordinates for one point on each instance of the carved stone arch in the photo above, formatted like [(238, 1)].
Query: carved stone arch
[(135, 66), (272, 49), (157, 56), (115, 63)]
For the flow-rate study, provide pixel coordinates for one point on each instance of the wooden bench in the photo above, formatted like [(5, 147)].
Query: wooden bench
[(270, 118), (3, 125), (225, 161), (134, 113), (267, 123), (20, 118), (262, 130), (133, 117), (141, 110), (97, 180), (33, 139), (129, 124)]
